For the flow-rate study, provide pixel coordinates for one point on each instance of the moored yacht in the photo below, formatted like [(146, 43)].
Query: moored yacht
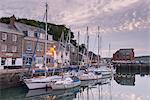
[(41, 82), (66, 82), (104, 71), (89, 76)]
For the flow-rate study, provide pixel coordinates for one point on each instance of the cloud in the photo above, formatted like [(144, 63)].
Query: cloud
[(116, 18), (118, 4)]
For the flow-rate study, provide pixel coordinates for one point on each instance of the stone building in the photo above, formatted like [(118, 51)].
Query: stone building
[(24, 45), (124, 55), (80, 58), (34, 45), (21, 43), (10, 46)]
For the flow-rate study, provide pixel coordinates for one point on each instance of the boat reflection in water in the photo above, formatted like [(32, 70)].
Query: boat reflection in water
[(96, 82), (68, 94), (49, 94), (126, 84), (22, 93), (93, 89)]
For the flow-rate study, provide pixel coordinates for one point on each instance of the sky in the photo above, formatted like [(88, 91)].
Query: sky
[(123, 23)]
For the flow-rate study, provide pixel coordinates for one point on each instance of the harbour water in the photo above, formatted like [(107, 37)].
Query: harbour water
[(124, 85)]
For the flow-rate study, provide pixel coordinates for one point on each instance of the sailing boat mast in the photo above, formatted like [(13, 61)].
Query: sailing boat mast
[(98, 47), (78, 49), (109, 50), (87, 46), (69, 44), (46, 36), (63, 49)]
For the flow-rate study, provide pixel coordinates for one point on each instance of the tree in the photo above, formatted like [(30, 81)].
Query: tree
[(53, 29), (5, 20), (82, 48)]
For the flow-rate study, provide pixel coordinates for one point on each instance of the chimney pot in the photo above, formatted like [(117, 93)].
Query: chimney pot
[(12, 20)]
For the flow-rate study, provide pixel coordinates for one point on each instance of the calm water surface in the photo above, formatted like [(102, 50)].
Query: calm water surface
[(125, 85)]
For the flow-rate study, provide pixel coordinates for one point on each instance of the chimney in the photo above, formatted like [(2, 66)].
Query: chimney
[(12, 20)]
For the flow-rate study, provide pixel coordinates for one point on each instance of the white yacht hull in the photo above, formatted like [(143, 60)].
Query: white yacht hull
[(107, 74), (84, 78), (89, 76), (88, 83), (38, 85), (65, 86)]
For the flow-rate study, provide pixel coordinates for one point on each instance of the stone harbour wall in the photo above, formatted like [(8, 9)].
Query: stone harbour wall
[(11, 78)]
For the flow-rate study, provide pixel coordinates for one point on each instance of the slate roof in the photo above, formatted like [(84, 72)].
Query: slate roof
[(7, 28)]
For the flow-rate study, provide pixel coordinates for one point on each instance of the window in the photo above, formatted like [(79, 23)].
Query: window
[(14, 48), (39, 47), (39, 60), (31, 33), (4, 48), (29, 46), (42, 36), (28, 61), (4, 36), (14, 38), (3, 61), (48, 60), (13, 61), (24, 60), (25, 33), (36, 34), (50, 37)]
